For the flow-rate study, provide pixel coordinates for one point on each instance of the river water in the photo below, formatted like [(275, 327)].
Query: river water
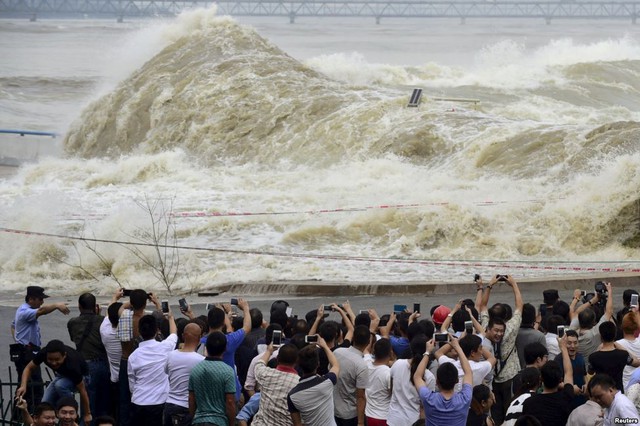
[(274, 151)]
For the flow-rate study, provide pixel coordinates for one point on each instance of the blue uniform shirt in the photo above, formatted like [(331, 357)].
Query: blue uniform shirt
[(26, 325)]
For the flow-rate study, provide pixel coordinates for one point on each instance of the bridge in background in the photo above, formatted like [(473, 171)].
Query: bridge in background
[(376, 9)]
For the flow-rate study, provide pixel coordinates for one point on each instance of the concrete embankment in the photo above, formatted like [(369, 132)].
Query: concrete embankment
[(314, 288)]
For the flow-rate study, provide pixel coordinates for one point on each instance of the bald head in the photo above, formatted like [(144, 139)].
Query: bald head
[(192, 333)]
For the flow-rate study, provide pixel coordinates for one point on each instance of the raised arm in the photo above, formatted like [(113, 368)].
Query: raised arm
[(375, 321), (246, 320), (444, 328), (574, 302), (319, 315), (347, 321), (386, 330), (479, 291), (484, 301), (464, 363), (476, 324), (24, 409), (418, 376), (346, 306), (608, 311), (584, 306), (516, 292), (335, 365)]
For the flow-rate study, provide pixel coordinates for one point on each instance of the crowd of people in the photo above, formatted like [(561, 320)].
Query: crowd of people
[(476, 364)]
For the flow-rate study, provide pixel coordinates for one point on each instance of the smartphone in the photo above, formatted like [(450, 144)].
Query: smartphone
[(289, 311), (234, 301), (327, 308), (441, 338), (234, 311), (583, 293), (311, 339), (276, 340), (364, 311), (399, 308), (416, 307), (165, 306), (126, 292), (634, 300), (468, 327), (543, 310), (560, 330), (476, 278), (183, 304), (209, 306)]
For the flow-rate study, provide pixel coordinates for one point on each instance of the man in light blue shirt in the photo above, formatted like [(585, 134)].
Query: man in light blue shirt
[(26, 332), (448, 407)]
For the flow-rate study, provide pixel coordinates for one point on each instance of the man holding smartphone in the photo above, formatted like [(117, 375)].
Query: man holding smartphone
[(148, 380), (310, 402), (275, 384)]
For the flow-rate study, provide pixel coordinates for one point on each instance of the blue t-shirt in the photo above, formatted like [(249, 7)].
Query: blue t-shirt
[(451, 412), (234, 340), (399, 344)]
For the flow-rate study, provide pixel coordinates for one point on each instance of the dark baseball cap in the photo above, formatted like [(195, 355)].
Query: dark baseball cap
[(36, 291)]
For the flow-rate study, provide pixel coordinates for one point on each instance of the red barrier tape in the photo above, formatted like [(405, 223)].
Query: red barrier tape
[(449, 263)]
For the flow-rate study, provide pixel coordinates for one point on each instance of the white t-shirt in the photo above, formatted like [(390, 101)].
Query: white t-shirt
[(404, 408), (633, 347), (378, 391), (480, 371), (113, 348), (179, 365), (552, 345)]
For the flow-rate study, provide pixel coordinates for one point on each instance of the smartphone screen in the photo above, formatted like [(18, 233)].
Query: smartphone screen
[(234, 301), (441, 337), (126, 292), (634, 300), (289, 311), (399, 308), (183, 304), (468, 327), (560, 331), (416, 307), (311, 339), (165, 306), (276, 340)]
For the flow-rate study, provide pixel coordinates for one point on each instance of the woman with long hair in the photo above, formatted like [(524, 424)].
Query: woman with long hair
[(404, 408), (481, 402)]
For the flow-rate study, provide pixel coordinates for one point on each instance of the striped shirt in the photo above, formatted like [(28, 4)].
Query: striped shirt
[(275, 384)]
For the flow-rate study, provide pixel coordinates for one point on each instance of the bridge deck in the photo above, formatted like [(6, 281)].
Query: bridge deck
[(547, 10)]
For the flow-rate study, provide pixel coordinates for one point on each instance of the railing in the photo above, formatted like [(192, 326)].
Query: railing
[(547, 10), (8, 414)]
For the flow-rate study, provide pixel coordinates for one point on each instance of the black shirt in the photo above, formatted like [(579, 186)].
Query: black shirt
[(552, 409), (611, 363), (73, 367), (92, 347)]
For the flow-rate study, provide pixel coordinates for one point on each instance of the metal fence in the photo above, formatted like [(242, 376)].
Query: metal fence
[(8, 413)]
